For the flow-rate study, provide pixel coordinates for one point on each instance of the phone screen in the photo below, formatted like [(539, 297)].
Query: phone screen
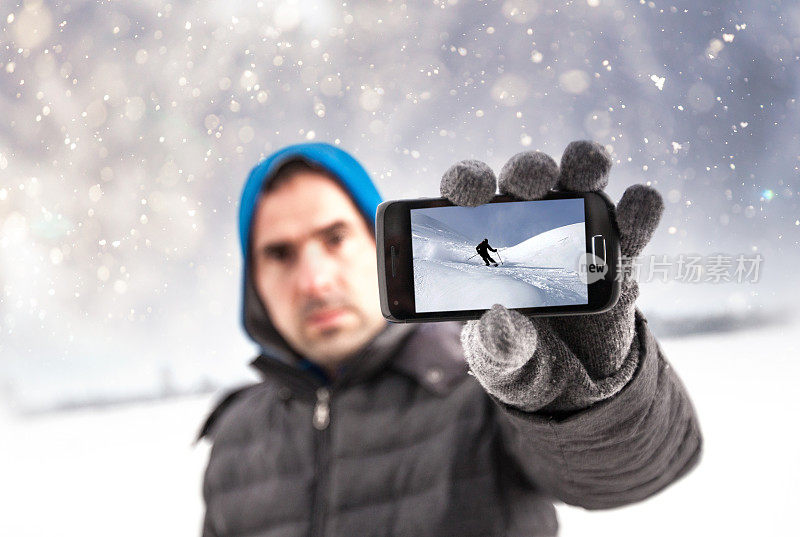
[(520, 254)]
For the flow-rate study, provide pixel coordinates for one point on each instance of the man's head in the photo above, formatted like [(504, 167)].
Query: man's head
[(313, 264)]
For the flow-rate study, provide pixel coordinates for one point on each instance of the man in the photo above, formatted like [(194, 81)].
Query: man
[(362, 427), (482, 249)]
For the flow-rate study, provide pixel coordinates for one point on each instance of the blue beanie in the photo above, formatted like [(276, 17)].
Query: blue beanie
[(351, 175)]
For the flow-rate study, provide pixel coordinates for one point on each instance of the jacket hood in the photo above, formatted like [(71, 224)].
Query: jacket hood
[(352, 177)]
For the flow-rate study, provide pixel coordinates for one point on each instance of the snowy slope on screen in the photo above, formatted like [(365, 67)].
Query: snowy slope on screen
[(539, 271), (557, 248)]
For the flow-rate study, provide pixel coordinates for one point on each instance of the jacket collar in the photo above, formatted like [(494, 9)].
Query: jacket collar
[(431, 354), (434, 357), (365, 363)]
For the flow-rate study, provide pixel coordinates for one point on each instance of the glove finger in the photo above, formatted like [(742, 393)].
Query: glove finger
[(637, 215), (502, 340), (584, 167), (468, 183), (528, 175)]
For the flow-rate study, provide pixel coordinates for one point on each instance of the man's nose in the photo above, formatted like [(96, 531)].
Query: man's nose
[(315, 271)]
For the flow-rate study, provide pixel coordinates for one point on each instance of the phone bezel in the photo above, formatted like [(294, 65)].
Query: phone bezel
[(393, 230)]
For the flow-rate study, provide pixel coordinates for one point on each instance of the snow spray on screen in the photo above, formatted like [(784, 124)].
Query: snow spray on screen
[(516, 254)]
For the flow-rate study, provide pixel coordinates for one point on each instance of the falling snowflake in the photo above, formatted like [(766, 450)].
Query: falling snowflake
[(658, 81)]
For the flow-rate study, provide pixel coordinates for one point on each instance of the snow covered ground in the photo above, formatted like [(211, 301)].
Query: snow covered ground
[(540, 271), (120, 471), (743, 386), (132, 471)]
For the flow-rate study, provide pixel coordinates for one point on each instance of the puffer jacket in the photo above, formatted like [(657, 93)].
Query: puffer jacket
[(406, 443)]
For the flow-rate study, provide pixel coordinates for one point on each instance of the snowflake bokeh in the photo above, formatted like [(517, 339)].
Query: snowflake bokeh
[(129, 127)]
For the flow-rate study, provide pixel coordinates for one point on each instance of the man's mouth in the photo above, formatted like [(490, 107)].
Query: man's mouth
[(326, 318)]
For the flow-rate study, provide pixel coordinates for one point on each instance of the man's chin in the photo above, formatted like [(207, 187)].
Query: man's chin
[(335, 343), (333, 348), (320, 335)]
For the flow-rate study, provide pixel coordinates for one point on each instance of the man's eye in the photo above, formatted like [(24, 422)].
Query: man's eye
[(277, 253), (334, 239)]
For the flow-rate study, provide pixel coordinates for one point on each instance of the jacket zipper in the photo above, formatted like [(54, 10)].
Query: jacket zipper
[(321, 421), (322, 410)]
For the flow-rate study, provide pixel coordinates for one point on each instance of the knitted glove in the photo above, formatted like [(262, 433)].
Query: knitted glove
[(563, 363)]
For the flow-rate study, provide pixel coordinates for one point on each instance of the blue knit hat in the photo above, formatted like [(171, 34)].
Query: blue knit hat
[(351, 175)]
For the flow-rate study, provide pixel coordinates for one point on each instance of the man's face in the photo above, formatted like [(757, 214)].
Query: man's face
[(314, 267)]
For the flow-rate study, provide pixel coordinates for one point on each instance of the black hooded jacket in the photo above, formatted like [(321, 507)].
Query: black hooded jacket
[(406, 443)]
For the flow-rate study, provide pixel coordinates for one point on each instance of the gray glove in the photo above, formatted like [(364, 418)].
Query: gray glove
[(563, 363)]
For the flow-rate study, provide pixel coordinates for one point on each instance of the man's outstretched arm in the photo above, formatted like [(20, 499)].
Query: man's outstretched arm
[(617, 451), (589, 408)]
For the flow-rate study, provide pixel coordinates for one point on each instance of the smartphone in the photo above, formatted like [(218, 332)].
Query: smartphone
[(442, 262)]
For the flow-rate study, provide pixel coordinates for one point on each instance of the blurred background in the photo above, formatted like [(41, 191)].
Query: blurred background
[(127, 131)]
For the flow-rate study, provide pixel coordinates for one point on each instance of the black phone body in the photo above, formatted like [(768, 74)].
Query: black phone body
[(555, 256)]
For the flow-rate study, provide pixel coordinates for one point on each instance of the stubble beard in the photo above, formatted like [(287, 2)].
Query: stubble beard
[(332, 345)]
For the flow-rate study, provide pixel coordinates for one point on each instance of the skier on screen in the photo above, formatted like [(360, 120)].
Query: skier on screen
[(482, 250)]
